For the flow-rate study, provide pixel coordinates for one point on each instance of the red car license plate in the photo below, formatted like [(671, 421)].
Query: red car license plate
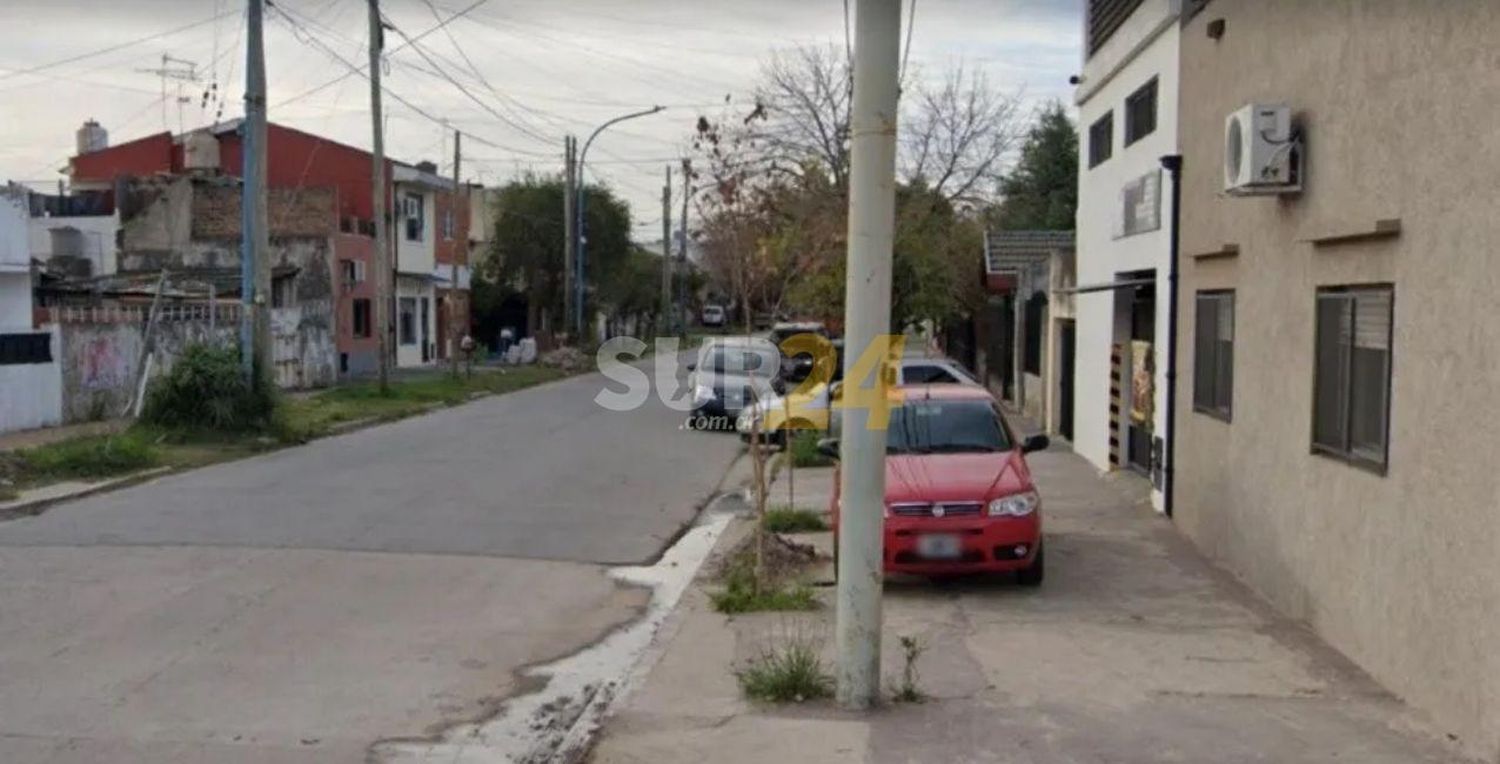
[(939, 546)]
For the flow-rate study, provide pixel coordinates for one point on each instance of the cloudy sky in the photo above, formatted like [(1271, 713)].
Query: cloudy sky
[(540, 69)]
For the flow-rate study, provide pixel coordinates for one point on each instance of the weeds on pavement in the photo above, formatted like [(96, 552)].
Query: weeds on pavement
[(907, 690), (785, 519), (803, 449), (745, 592), (788, 672)]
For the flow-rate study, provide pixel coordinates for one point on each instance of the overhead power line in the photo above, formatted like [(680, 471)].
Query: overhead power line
[(355, 69), (360, 69), (113, 48)]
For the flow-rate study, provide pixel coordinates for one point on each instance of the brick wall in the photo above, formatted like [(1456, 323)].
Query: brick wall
[(292, 212)]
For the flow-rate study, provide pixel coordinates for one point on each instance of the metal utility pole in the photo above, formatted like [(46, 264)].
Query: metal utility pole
[(453, 333), (867, 321), (378, 202), (583, 239), (666, 251), (687, 191), (255, 265), (570, 226)]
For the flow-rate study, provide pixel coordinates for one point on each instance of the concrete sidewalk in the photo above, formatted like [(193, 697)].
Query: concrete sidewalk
[(1134, 650)]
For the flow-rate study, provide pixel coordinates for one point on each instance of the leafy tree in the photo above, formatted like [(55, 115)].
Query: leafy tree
[(1042, 191), (526, 250)]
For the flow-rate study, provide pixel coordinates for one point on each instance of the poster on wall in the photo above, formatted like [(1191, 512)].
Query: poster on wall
[(1142, 381), (1140, 205)]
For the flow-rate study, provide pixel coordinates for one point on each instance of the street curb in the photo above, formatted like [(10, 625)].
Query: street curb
[(19, 508)]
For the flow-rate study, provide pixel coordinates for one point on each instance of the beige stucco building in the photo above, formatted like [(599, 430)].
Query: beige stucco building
[(1342, 454)]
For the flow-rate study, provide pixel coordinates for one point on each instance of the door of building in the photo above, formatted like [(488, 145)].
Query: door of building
[(426, 335), (1067, 341), (1140, 356)]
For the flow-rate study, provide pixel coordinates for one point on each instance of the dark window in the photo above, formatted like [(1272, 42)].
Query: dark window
[(938, 426), (283, 291), (1105, 18), (352, 271), (1101, 139), (408, 320), (1352, 378), (25, 348), (1036, 322), (927, 375), (361, 322), (415, 212), (1140, 113), (1213, 354)]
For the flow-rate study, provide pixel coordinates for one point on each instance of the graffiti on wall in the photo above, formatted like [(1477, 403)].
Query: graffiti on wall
[(103, 366)]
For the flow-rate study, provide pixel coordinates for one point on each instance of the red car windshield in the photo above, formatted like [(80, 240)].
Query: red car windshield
[(945, 426)]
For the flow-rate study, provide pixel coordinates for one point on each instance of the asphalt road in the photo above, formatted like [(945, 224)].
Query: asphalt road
[(303, 605), (543, 473)]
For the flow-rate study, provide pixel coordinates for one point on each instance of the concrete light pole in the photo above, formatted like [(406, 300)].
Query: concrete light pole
[(255, 265), (867, 321), (379, 202), (582, 183)]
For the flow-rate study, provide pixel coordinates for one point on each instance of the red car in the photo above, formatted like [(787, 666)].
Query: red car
[(959, 497)]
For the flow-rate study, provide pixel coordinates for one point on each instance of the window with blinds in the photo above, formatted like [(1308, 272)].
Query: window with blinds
[(1352, 375), (1213, 354), (1105, 18)]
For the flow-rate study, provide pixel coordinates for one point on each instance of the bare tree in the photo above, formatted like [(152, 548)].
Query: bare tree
[(957, 134), (805, 97)]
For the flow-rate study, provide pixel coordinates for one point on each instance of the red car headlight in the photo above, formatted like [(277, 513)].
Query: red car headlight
[(1015, 505)]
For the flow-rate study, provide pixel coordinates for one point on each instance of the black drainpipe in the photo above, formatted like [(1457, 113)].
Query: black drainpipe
[(1172, 163)]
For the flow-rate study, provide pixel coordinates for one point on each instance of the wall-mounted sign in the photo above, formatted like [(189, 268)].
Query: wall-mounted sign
[(1140, 205)]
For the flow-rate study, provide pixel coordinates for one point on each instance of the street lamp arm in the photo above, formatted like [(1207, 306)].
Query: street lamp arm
[(580, 207), (582, 155)]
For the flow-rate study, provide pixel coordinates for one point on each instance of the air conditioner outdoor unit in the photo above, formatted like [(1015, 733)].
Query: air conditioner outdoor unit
[(1262, 154)]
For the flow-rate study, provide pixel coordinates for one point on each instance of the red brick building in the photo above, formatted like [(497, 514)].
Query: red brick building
[(431, 234)]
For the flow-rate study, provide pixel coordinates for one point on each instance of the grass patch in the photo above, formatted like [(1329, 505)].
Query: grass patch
[(785, 519), (742, 594), (790, 672), (190, 445), (89, 457), (803, 450), (315, 415)]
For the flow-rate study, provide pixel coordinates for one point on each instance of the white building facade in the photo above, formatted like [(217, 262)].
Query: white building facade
[(29, 373), (416, 233), (1127, 103)]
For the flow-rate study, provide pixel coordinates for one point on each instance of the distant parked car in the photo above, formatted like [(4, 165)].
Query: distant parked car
[(713, 315), (730, 375), (959, 497), (809, 409)]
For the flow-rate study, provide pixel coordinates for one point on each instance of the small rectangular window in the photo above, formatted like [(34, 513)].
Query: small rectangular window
[(1140, 113), (1101, 139), (1352, 374), (408, 321), (416, 212), (361, 319), (352, 272), (1213, 354), (23, 348)]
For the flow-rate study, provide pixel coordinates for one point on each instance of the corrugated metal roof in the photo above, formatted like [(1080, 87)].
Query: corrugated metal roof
[(1005, 250)]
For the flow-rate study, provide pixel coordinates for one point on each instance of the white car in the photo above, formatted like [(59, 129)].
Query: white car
[(713, 315), (808, 410)]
